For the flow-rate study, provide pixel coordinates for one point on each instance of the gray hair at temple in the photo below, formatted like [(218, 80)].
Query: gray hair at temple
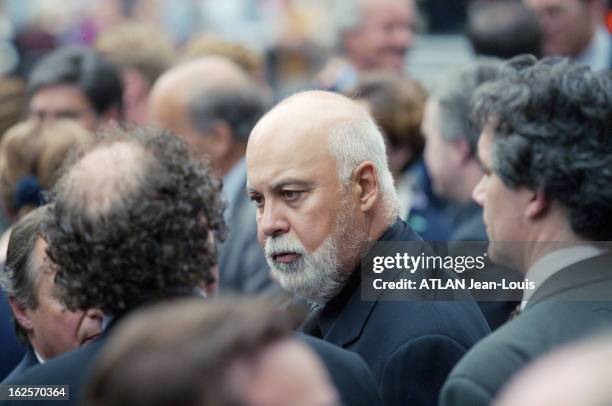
[(18, 278), (454, 94), (353, 142), (552, 121)]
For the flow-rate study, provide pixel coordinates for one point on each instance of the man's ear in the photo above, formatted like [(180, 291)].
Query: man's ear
[(21, 314), (366, 185), (537, 205)]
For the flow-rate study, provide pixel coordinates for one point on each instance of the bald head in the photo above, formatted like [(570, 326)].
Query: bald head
[(310, 111), (125, 164), (324, 124), (212, 104), (577, 374), (174, 91), (111, 210)]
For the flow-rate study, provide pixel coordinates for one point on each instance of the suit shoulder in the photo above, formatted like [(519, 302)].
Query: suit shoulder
[(66, 369), (338, 356), (462, 391), (349, 372), (425, 362), (461, 321)]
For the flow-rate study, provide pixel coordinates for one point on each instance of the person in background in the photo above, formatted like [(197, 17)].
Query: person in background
[(232, 352), (503, 29), (141, 53), (450, 154), (450, 150), (203, 45), (41, 321), (372, 35), (30, 157), (397, 104), (575, 29), (31, 154), (12, 109), (75, 83)]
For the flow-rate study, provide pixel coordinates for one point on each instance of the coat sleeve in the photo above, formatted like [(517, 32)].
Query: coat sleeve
[(462, 391)]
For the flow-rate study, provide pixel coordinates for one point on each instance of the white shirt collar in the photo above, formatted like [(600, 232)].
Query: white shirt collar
[(597, 54), (39, 357), (554, 261)]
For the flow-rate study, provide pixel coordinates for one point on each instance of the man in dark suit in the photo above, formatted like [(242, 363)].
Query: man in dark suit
[(115, 248), (450, 154), (213, 104), (317, 171), (39, 318), (547, 200)]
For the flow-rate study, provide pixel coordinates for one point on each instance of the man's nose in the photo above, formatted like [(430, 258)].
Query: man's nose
[(273, 221), (479, 192)]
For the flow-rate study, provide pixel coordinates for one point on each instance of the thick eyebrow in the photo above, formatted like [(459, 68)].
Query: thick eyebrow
[(292, 182), (276, 186)]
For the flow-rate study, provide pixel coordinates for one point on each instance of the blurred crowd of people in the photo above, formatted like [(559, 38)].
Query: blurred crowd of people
[(189, 190)]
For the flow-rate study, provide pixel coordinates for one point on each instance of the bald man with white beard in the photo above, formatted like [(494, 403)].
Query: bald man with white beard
[(318, 174)]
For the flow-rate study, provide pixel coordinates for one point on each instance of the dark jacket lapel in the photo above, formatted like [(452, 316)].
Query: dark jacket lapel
[(343, 319)]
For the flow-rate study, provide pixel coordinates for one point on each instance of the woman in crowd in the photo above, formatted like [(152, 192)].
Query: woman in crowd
[(31, 154)]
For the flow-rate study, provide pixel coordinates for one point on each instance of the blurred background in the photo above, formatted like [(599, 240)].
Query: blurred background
[(294, 38)]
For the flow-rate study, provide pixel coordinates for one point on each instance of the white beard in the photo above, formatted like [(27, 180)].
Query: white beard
[(316, 277)]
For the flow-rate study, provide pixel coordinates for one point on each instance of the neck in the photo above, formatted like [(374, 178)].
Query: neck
[(550, 238)]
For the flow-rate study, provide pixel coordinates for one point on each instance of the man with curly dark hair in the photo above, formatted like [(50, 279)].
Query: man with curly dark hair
[(547, 197), (132, 222), (144, 226)]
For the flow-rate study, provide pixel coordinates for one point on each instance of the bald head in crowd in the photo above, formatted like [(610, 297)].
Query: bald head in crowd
[(317, 172), (212, 104)]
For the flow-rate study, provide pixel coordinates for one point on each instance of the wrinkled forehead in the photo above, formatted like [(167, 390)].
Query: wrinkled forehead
[(295, 135), (289, 151)]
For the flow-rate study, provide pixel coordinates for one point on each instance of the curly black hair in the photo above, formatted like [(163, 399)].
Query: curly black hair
[(154, 237), (553, 132)]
